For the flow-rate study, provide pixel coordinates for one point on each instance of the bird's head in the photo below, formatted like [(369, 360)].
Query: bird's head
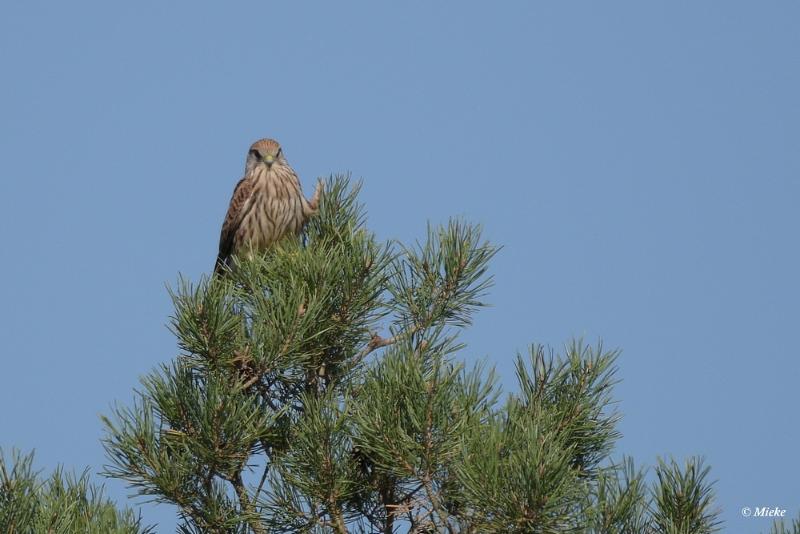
[(264, 152)]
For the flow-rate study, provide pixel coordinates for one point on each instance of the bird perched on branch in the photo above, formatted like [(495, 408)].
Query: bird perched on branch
[(267, 204)]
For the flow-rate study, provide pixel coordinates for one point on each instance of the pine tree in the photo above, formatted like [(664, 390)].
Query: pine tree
[(319, 389), (779, 527), (62, 503)]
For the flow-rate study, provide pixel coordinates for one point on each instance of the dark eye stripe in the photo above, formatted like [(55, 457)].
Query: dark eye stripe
[(255, 153)]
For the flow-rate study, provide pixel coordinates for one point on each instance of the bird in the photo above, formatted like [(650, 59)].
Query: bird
[(267, 205)]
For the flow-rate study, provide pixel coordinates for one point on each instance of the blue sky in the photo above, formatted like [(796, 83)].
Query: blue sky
[(638, 161)]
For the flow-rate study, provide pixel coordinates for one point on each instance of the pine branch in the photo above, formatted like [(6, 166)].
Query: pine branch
[(377, 342), (61, 502), (250, 514)]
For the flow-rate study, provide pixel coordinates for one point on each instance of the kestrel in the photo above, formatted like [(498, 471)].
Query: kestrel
[(267, 204)]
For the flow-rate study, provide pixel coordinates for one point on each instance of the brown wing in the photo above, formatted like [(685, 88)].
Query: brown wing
[(232, 221)]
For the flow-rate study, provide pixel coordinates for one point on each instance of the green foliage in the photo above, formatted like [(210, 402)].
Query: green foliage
[(61, 503), (619, 502), (526, 469), (780, 527), (684, 499), (319, 389)]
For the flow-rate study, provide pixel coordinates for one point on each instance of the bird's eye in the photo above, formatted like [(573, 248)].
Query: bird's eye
[(278, 154), (255, 154)]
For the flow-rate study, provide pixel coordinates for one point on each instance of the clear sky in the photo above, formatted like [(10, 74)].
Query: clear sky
[(638, 161)]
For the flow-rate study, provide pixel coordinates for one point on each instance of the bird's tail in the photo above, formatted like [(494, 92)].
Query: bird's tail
[(220, 266)]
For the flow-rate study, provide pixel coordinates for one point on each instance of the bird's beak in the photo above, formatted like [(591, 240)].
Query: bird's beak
[(269, 160)]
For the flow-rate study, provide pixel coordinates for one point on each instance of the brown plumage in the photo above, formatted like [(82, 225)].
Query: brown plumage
[(267, 204)]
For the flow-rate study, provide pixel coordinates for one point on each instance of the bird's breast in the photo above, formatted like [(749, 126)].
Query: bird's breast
[(274, 211)]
